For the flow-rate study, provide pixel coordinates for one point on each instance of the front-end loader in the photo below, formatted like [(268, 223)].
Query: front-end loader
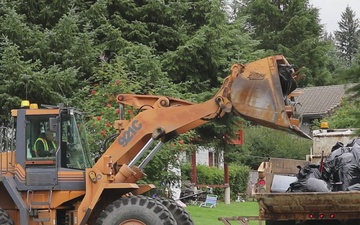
[(67, 188)]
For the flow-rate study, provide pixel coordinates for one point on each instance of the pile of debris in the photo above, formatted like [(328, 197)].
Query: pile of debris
[(340, 171)]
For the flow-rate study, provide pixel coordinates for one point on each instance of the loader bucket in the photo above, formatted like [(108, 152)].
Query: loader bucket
[(260, 93)]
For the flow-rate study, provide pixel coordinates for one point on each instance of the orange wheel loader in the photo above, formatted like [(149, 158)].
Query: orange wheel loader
[(64, 187)]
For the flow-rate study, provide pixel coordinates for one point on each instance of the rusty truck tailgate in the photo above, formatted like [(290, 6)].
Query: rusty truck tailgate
[(299, 205)]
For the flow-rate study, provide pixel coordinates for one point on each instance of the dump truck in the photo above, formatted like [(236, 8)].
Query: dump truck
[(66, 187), (278, 204)]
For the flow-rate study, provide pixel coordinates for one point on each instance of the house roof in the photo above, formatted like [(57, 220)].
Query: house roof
[(318, 101)]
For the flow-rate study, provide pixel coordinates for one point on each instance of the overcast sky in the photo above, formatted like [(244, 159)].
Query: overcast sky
[(330, 11)]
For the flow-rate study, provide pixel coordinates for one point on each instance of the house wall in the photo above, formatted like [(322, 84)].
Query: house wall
[(205, 156), (208, 157), (202, 157)]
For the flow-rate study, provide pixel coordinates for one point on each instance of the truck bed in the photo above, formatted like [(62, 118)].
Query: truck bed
[(299, 205)]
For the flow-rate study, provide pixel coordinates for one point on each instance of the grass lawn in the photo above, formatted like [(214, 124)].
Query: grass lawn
[(209, 216)]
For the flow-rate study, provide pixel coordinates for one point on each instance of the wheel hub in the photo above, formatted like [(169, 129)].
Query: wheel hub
[(132, 222)]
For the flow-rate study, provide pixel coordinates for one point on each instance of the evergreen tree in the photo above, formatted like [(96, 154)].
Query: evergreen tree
[(38, 64), (347, 37), (194, 40), (350, 109), (57, 51), (333, 65), (26, 79), (291, 28)]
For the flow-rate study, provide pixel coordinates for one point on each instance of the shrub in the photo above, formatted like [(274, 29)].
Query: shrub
[(238, 174)]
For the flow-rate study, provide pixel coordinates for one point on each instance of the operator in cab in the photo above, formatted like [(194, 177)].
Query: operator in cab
[(45, 145)]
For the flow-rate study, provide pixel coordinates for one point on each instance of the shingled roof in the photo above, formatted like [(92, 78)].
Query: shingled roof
[(319, 101)]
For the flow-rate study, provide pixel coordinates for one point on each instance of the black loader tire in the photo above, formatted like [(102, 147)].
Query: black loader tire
[(4, 218), (136, 209), (180, 215)]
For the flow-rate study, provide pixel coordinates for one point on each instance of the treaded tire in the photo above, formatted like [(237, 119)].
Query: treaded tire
[(4, 218), (180, 215), (139, 208)]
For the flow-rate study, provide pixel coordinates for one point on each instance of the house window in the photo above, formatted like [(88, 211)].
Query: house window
[(211, 158), (216, 159)]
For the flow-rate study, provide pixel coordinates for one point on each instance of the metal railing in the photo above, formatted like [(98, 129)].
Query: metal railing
[(7, 145)]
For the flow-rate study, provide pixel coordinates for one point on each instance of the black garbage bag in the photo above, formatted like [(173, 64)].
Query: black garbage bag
[(354, 187), (311, 170), (348, 171), (310, 184), (309, 180), (341, 167), (356, 141), (332, 163), (355, 149), (337, 146)]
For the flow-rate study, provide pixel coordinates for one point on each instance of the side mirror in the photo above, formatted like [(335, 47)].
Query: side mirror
[(53, 124)]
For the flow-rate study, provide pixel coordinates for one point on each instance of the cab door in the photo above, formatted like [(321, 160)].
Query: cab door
[(41, 173)]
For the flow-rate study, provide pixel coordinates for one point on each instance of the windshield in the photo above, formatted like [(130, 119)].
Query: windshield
[(74, 140)]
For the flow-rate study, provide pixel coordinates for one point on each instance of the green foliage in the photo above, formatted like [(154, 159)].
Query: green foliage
[(112, 79), (239, 176), (99, 101), (307, 51), (27, 79), (45, 66), (161, 168), (239, 179), (347, 37), (290, 21), (120, 76), (209, 175), (43, 12), (84, 53), (291, 28), (261, 143), (145, 72), (209, 47), (347, 116)]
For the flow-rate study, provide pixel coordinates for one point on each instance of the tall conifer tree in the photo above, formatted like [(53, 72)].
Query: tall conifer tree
[(347, 37), (291, 28)]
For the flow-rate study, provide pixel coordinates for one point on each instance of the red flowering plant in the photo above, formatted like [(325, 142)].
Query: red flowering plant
[(100, 104), (120, 76), (102, 109)]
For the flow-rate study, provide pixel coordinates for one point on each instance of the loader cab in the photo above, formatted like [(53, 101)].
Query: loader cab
[(69, 139), (70, 154), (73, 141)]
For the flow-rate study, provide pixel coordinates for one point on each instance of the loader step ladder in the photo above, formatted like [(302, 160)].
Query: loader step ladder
[(243, 220), (34, 212)]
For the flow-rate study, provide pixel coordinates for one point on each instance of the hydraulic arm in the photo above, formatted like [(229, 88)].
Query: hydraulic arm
[(257, 91)]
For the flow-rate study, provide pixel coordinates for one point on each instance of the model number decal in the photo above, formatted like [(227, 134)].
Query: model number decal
[(256, 76), (129, 133)]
